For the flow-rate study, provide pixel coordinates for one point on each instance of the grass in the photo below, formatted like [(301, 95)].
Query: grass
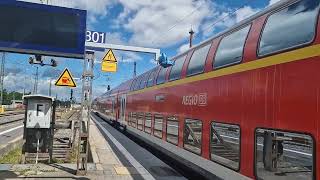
[(13, 157), (59, 161)]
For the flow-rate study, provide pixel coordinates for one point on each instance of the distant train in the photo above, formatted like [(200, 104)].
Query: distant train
[(243, 104)]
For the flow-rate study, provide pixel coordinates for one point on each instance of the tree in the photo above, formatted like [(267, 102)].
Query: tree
[(13, 95)]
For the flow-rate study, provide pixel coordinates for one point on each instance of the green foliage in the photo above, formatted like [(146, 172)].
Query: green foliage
[(8, 96)]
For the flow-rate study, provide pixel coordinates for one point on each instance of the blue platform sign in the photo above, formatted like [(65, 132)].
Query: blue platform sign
[(41, 29), (96, 37)]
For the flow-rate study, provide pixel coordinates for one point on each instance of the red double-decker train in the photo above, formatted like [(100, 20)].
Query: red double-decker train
[(243, 104)]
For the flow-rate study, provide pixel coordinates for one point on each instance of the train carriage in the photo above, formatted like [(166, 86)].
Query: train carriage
[(243, 104)]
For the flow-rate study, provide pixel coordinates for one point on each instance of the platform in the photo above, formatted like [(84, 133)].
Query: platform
[(114, 157)]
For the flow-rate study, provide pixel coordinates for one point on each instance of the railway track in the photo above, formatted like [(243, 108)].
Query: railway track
[(11, 113), (11, 117)]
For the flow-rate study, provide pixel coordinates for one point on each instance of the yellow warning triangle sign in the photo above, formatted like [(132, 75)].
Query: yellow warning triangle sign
[(109, 56), (65, 79)]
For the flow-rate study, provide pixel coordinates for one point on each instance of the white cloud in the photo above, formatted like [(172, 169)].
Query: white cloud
[(128, 57), (99, 90), (149, 20), (154, 23), (244, 13), (114, 38), (226, 19), (183, 48), (152, 61), (273, 1)]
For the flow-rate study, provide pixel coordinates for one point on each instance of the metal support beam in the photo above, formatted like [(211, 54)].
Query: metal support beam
[(3, 59), (102, 47), (84, 123)]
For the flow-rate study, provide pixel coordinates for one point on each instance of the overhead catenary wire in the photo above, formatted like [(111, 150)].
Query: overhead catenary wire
[(210, 25), (179, 21), (222, 18)]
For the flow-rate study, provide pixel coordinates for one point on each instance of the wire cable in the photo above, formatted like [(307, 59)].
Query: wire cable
[(178, 22), (222, 18)]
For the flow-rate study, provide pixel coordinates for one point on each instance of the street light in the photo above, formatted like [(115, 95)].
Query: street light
[(38, 60)]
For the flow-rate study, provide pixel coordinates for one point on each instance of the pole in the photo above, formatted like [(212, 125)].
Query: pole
[(191, 32), (37, 151), (2, 76), (35, 88), (71, 97), (24, 86), (87, 78), (50, 87), (134, 69)]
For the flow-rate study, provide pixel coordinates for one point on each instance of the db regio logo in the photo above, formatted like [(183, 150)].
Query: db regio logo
[(195, 100)]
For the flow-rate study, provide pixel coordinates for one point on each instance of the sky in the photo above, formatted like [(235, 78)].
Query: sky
[(144, 23)]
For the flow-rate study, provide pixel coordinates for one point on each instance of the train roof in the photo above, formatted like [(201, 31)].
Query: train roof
[(125, 86), (241, 23)]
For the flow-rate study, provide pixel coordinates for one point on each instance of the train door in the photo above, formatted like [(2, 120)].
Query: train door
[(122, 115)]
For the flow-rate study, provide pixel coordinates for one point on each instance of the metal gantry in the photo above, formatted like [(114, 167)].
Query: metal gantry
[(104, 46), (84, 122)]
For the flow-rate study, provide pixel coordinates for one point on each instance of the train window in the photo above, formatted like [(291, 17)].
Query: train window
[(297, 27), (129, 119), (145, 79), (137, 85), (162, 76), (175, 72), (151, 77), (141, 84), (140, 119), (225, 144), (133, 84), (136, 80), (113, 104), (147, 124), (192, 135), (158, 121), (142, 81), (172, 130), (283, 155), (133, 119), (230, 49), (198, 60)]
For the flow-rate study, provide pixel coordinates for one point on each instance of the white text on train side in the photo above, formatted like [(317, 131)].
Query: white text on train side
[(195, 99)]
